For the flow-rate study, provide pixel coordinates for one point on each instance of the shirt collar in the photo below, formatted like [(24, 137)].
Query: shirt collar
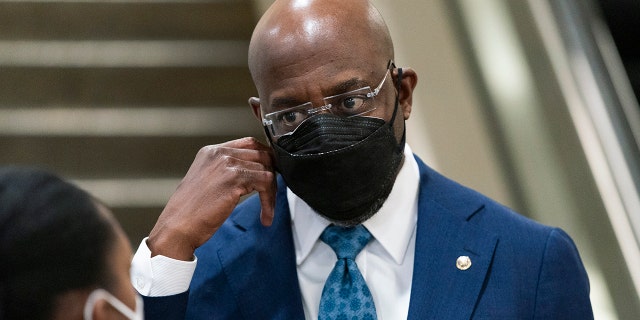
[(392, 226)]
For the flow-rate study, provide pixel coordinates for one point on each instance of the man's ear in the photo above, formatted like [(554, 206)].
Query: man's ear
[(255, 107), (405, 96)]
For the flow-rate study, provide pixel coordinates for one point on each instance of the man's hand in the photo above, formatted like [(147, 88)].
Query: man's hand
[(218, 177)]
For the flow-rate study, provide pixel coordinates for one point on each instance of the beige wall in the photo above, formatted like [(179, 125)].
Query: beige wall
[(446, 127)]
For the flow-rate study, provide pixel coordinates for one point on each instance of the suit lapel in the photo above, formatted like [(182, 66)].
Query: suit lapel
[(440, 290), (260, 264)]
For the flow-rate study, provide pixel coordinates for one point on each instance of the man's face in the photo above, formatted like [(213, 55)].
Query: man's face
[(338, 185), (294, 72)]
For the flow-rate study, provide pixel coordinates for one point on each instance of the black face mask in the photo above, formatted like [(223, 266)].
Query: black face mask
[(344, 168)]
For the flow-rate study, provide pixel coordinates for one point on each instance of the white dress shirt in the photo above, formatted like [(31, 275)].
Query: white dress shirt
[(386, 263)]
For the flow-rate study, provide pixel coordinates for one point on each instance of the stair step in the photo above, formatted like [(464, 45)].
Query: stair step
[(137, 222), (128, 121), (74, 20), (196, 86), (121, 53), (107, 157)]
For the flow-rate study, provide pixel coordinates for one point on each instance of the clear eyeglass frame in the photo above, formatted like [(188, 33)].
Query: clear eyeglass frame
[(349, 104)]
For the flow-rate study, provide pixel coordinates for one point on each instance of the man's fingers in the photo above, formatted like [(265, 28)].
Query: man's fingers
[(268, 204), (267, 211), (257, 156), (246, 143), (263, 178), (242, 164), (264, 182), (214, 184)]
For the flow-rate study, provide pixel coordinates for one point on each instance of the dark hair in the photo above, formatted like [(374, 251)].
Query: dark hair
[(52, 239)]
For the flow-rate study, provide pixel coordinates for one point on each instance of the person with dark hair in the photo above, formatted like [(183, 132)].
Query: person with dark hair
[(346, 222), (62, 253)]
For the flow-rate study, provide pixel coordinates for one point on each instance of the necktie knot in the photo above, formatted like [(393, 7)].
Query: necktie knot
[(346, 242)]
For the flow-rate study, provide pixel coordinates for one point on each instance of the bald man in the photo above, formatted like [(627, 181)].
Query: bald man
[(333, 105)]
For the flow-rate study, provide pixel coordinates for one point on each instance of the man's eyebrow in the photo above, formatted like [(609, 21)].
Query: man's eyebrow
[(342, 87), (284, 102), (348, 85)]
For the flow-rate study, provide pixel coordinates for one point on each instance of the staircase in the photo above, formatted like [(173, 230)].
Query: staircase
[(118, 96)]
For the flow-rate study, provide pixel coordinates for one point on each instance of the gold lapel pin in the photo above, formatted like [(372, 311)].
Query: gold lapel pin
[(463, 263)]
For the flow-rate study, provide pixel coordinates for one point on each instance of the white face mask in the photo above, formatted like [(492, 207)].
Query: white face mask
[(101, 294)]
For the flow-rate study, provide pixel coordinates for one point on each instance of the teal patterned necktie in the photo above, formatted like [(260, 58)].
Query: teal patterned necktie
[(345, 294)]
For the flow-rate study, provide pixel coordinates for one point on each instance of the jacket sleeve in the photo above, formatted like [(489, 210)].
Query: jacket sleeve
[(167, 307), (563, 285)]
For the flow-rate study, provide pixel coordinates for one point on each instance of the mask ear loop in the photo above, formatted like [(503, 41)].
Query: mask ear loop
[(395, 108), (395, 112), (101, 294)]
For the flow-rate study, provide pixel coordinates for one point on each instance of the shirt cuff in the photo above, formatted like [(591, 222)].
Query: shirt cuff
[(160, 275)]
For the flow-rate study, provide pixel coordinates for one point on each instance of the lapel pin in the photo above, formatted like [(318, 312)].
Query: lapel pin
[(463, 263)]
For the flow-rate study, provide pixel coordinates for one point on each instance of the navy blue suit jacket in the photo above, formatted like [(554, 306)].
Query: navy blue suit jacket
[(520, 269)]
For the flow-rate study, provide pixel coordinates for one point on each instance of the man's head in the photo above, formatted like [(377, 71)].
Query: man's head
[(305, 50)]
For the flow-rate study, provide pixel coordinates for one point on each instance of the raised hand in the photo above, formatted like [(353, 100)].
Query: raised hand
[(217, 179)]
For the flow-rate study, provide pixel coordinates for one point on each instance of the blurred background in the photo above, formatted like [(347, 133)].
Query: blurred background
[(532, 102)]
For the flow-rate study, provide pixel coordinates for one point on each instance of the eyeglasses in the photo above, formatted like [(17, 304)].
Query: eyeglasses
[(349, 104)]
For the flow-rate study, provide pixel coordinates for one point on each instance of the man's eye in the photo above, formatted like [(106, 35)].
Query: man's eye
[(291, 118), (352, 104)]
